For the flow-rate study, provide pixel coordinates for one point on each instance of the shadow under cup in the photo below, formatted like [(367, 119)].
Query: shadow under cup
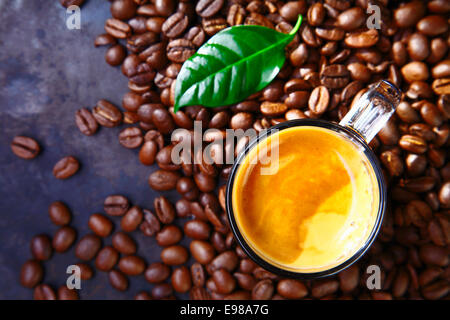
[(288, 270)]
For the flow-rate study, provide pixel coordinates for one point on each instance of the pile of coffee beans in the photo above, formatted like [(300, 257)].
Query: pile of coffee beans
[(332, 60)]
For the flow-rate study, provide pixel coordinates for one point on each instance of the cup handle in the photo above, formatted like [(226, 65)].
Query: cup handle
[(373, 109)]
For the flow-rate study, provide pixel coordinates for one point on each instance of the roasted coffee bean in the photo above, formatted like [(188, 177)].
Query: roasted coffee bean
[(181, 279), (418, 47), (147, 153), (179, 50), (432, 25), (175, 25), (123, 9), (106, 258), (140, 42), (319, 100), (86, 122), (118, 29), (205, 183), (105, 39), (208, 8), (100, 225), (183, 208), (132, 265), (272, 108), (334, 76), (86, 271), (236, 15), (434, 255), (213, 25), (241, 120), (151, 225), (174, 255), (64, 293), (198, 275), (164, 210), (66, 167), (413, 144), (225, 283), (444, 195), (163, 121), (169, 235), (226, 260), (63, 239), (292, 289), (118, 280), (131, 101), (393, 162), (162, 291), (187, 188), (202, 251), (406, 113), (44, 292), (115, 55), (88, 247), (409, 14), (197, 229), (263, 290), (41, 247), (415, 71), (349, 278), (59, 213), (25, 147), (157, 272), (292, 9), (132, 219), (116, 205), (131, 138), (143, 295), (31, 273), (107, 114), (441, 86), (124, 243), (324, 288)]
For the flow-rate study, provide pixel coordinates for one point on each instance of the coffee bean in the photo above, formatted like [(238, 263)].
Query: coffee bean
[(132, 219), (432, 25), (131, 138), (143, 295), (107, 114), (197, 229), (434, 255), (319, 100), (362, 39), (208, 8), (25, 147), (169, 235), (151, 224), (241, 120), (64, 293), (163, 121), (334, 76), (349, 278), (213, 25), (123, 9), (59, 213), (115, 55), (415, 71), (263, 290), (105, 39), (225, 283), (436, 290), (66, 167), (100, 225), (162, 180), (86, 271), (226, 260), (413, 144), (202, 251), (116, 205), (123, 243), (44, 292), (118, 29), (292, 289), (181, 279), (86, 122), (292, 9), (392, 162), (140, 42), (175, 25), (174, 255), (162, 291), (31, 273), (409, 14), (88, 247), (441, 86), (444, 195), (157, 272), (41, 247), (418, 47), (132, 265), (118, 280), (324, 288), (148, 152), (164, 210), (179, 50), (63, 239), (106, 258)]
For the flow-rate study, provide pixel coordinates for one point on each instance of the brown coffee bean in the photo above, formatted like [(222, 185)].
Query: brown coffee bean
[(169, 235), (393, 162), (413, 144), (86, 271), (437, 290), (124, 243), (59, 213), (208, 8), (441, 70), (123, 9), (41, 247), (66, 167), (198, 274), (164, 210), (105, 40), (131, 138), (197, 229), (272, 109), (44, 292), (432, 25), (148, 152), (241, 120), (324, 288), (418, 47), (63, 239), (434, 255), (202, 251), (225, 283), (175, 25), (263, 290), (319, 100), (292, 289), (334, 76), (292, 9), (362, 39), (430, 113), (179, 50), (31, 273), (226, 260), (115, 55), (444, 195), (199, 293), (181, 279), (132, 219), (351, 19), (163, 121), (118, 29), (406, 113), (132, 265), (107, 114), (157, 272), (118, 280), (409, 14), (151, 224), (106, 258), (25, 147), (213, 25), (415, 71), (140, 42), (162, 291), (236, 15), (116, 205), (143, 295), (206, 183), (87, 247), (174, 255), (86, 122), (418, 213), (441, 86), (100, 225), (64, 293)]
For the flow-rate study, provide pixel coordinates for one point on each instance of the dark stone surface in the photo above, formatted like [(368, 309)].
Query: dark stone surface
[(47, 72)]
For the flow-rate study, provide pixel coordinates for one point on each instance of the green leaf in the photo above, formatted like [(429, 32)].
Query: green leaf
[(232, 65)]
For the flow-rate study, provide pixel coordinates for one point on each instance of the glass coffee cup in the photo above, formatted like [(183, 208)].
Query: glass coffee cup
[(306, 198)]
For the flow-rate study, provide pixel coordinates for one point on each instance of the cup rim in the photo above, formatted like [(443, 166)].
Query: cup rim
[(370, 239)]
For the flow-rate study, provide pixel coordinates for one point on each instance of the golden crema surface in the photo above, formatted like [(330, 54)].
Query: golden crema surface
[(314, 209)]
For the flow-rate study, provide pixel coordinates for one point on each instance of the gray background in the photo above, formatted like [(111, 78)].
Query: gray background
[(47, 72)]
